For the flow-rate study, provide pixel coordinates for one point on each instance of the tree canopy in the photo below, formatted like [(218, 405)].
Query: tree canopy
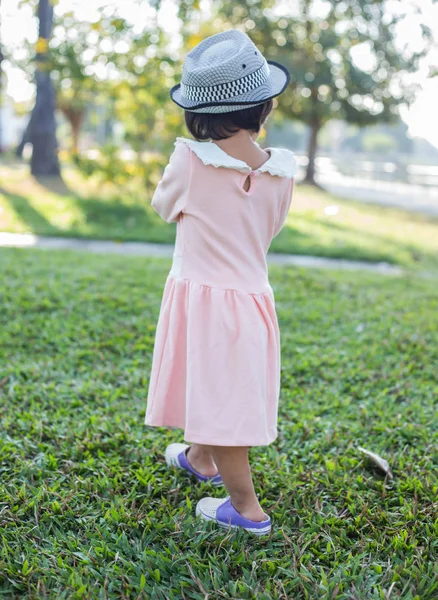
[(345, 59)]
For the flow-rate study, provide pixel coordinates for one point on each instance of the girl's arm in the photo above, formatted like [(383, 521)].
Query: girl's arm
[(284, 207), (170, 196)]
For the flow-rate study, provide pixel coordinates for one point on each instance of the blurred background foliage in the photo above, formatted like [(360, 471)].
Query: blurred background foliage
[(111, 69), (342, 56)]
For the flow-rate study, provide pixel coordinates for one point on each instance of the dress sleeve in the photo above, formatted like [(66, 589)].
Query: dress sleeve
[(170, 196), (284, 207)]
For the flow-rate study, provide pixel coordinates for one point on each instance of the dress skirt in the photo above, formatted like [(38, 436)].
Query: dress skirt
[(216, 365)]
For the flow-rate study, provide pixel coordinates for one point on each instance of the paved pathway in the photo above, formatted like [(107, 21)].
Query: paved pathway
[(413, 198), (27, 240)]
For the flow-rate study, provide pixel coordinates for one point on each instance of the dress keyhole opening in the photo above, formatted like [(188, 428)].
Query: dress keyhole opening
[(247, 183)]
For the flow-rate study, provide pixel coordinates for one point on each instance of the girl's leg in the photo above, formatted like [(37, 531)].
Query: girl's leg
[(201, 459), (233, 465)]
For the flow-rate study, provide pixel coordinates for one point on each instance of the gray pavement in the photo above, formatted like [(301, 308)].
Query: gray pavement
[(27, 240), (413, 198)]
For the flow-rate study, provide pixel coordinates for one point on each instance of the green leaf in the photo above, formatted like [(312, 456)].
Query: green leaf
[(142, 581)]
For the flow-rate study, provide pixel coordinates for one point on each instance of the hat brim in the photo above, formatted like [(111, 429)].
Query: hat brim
[(275, 84)]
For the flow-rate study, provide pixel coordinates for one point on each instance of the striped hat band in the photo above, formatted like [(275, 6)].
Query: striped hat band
[(225, 91)]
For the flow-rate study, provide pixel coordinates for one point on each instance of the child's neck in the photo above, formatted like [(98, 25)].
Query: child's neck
[(243, 146)]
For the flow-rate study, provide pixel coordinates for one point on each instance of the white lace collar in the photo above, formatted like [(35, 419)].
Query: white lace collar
[(281, 163)]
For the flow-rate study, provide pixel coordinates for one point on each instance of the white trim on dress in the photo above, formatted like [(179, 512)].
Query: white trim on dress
[(282, 162)]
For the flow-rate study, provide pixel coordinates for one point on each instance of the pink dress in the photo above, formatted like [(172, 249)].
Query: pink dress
[(216, 364)]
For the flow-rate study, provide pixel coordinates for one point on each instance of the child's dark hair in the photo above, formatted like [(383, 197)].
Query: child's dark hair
[(219, 126)]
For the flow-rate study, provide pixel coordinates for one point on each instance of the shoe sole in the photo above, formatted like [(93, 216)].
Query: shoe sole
[(265, 531)]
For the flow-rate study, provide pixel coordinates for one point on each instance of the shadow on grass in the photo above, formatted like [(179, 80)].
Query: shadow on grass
[(56, 185), (32, 218), (128, 216), (345, 241), (393, 245), (112, 218), (291, 240)]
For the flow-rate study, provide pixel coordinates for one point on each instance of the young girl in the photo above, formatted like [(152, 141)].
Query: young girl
[(216, 365)]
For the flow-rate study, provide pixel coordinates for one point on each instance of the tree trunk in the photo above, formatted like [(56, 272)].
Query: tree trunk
[(25, 138), (75, 129), (42, 132), (315, 126), (75, 117), (311, 152), (1, 96)]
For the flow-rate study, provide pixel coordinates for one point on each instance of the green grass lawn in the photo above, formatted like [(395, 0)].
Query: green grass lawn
[(88, 508), (88, 209)]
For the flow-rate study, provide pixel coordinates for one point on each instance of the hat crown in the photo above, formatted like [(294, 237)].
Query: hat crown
[(221, 58), (226, 72)]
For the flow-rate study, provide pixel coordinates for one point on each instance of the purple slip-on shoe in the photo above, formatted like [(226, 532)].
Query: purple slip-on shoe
[(176, 456), (225, 515)]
